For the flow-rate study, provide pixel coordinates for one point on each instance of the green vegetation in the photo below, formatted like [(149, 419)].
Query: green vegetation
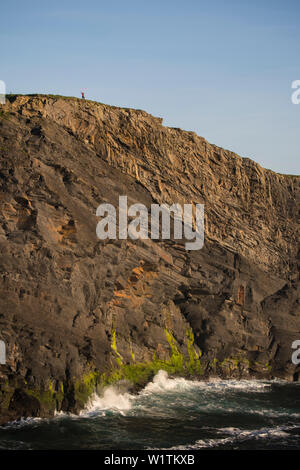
[(176, 359), (6, 393), (50, 399), (117, 356), (141, 373), (136, 373), (194, 364), (85, 387), (131, 352)]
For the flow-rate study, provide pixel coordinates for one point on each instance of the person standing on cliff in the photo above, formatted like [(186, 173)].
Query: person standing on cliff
[(82, 95)]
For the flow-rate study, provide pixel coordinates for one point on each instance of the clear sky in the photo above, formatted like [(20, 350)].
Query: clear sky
[(223, 69)]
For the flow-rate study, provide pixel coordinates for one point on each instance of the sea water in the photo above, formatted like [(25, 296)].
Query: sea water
[(172, 413)]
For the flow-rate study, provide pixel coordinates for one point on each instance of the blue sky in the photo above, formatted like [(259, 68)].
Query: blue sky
[(220, 68)]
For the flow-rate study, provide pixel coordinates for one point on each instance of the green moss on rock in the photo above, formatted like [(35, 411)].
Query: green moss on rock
[(85, 387)]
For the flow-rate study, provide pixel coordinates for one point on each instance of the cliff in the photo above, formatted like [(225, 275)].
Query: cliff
[(77, 313)]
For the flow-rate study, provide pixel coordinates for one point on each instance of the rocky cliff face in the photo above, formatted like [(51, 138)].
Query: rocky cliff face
[(77, 313)]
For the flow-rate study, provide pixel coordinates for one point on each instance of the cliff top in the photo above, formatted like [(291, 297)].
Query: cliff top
[(20, 99)]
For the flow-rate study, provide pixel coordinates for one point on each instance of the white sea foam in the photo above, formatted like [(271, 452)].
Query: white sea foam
[(164, 393), (198, 405), (23, 422), (115, 401), (237, 435), (178, 388), (111, 400), (163, 383)]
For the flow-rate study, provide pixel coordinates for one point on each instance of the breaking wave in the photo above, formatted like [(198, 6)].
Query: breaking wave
[(162, 385), (172, 413)]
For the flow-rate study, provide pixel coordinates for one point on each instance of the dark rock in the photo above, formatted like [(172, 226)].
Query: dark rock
[(73, 307), (23, 405)]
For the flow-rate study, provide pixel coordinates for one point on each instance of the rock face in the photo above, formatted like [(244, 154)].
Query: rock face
[(77, 312)]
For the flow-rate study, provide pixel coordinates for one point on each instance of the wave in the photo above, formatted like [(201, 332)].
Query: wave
[(162, 382), (165, 395), (114, 401), (169, 411), (236, 436), (23, 422)]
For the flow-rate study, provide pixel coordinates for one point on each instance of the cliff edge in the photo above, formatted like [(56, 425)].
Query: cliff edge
[(77, 313)]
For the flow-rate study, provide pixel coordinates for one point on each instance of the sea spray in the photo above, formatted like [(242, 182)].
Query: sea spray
[(112, 400), (164, 389), (173, 413)]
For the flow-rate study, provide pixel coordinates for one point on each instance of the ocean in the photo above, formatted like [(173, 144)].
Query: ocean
[(172, 414)]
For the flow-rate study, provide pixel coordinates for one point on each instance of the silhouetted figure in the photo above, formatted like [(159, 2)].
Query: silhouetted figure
[(82, 95)]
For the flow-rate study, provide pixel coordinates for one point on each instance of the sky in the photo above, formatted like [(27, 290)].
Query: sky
[(223, 69)]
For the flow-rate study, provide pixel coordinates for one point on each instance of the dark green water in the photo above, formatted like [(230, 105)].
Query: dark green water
[(173, 414)]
